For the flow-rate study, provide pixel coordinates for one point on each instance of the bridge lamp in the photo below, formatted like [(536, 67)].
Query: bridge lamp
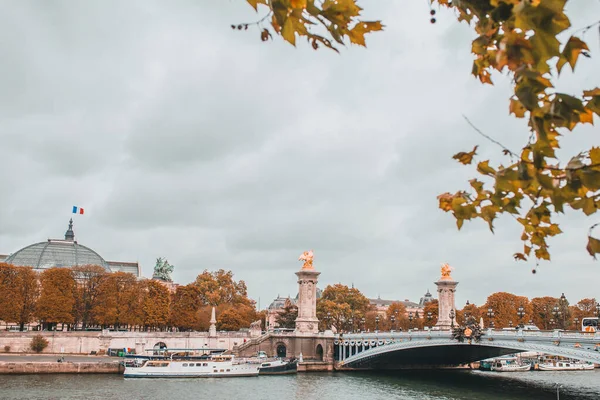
[(510, 324), (410, 319), (598, 309), (328, 318), (363, 321), (521, 312), (576, 321), (351, 321), (393, 319), (452, 315), (377, 323), (490, 314), (552, 322)]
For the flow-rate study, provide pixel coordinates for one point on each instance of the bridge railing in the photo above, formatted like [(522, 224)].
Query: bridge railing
[(488, 333)]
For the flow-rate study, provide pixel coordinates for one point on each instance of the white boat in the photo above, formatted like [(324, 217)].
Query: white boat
[(565, 366), (216, 366), (509, 365)]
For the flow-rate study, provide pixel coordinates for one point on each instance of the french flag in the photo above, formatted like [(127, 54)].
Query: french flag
[(77, 210)]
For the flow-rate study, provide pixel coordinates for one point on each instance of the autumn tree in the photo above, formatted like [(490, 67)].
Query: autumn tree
[(119, 302), (341, 307), (542, 308), (505, 307), (230, 320), (155, 304), (396, 317), (470, 312), (9, 288), (25, 301), (57, 300), (89, 279), (220, 288), (430, 313), (586, 308), (526, 41), (185, 308), (287, 317)]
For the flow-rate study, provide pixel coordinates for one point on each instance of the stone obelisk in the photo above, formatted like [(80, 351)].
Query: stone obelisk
[(446, 289), (307, 321), (212, 330)]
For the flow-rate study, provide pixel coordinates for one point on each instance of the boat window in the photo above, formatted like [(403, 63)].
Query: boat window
[(185, 365), (221, 371), (216, 370), (568, 365), (205, 364), (228, 370), (266, 365)]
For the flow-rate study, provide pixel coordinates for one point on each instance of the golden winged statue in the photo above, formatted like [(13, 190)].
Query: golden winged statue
[(307, 257), (446, 271)]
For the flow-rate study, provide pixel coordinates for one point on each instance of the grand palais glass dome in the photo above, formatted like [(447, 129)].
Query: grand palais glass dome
[(57, 253)]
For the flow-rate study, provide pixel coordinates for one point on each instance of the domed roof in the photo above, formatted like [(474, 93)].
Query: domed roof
[(57, 253)]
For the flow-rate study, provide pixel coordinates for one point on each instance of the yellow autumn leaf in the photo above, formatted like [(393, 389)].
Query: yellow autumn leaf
[(517, 108), (465, 158), (288, 32)]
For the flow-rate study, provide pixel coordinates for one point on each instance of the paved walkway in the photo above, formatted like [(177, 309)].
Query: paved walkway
[(54, 357)]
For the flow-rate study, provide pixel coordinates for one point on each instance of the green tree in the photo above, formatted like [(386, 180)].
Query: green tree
[(287, 317), (525, 40), (56, 304)]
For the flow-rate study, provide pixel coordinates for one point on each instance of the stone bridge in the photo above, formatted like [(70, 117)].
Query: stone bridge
[(430, 349)]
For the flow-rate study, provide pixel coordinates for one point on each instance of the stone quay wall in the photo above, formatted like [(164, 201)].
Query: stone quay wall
[(17, 368), (86, 342)]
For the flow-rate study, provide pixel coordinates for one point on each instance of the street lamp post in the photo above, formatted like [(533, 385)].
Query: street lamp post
[(377, 323), (393, 319), (576, 321), (556, 312), (490, 314), (452, 315), (598, 310), (351, 321), (328, 319), (429, 317), (521, 314), (410, 319), (364, 323), (510, 324)]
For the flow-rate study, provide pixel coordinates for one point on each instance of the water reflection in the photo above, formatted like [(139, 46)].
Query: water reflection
[(402, 385)]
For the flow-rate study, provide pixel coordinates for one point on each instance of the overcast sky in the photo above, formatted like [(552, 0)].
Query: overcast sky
[(184, 139)]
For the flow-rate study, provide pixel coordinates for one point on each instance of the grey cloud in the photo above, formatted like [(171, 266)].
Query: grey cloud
[(185, 139)]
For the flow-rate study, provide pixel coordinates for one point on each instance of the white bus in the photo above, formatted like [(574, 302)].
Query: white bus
[(589, 324)]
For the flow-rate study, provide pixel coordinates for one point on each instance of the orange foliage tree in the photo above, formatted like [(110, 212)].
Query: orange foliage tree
[(396, 317), (57, 300), (155, 304), (505, 307), (341, 307), (119, 302), (185, 308), (469, 311), (89, 279), (430, 313), (8, 290), (28, 291), (542, 308)]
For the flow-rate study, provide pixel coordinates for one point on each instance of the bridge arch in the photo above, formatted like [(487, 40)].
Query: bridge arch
[(439, 352), (281, 349)]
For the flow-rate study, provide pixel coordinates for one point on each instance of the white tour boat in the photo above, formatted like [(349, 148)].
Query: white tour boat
[(509, 365), (565, 366), (215, 366)]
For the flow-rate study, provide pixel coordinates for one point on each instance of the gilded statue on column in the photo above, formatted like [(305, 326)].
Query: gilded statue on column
[(446, 271), (307, 257)]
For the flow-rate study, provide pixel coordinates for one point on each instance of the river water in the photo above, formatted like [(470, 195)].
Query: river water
[(402, 385)]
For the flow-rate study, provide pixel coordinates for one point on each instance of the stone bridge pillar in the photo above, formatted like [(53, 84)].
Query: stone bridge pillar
[(446, 290), (307, 321)]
